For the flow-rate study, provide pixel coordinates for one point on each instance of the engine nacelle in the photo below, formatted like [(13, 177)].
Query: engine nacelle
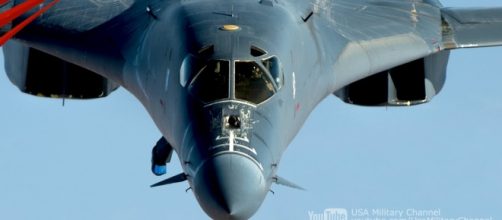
[(37, 73), (413, 83)]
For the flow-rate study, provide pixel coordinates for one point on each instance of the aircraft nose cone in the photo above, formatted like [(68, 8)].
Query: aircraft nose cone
[(230, 186)]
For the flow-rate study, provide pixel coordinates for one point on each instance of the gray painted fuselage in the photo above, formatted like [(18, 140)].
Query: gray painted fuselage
[(322, 46), (229, 170)]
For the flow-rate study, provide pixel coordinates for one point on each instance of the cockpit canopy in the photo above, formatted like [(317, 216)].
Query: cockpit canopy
[(251, 81), (211, 83)]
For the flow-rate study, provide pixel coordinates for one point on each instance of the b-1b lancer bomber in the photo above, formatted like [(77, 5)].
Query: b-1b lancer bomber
[(229, 83)]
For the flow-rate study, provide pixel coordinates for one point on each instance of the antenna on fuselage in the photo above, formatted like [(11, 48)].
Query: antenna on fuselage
[(151, 13)]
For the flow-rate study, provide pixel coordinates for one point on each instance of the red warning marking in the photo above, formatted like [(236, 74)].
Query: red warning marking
[(18, 10)]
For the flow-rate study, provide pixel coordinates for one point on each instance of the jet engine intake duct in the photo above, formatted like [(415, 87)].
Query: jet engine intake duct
[(408, 80), (413, 83), (37, 73)]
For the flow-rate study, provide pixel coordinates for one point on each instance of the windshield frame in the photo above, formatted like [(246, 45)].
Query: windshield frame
[(231, 78), (263, 70), (194, 80)]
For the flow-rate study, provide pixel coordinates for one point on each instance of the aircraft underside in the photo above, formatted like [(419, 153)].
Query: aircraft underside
[(230, 84)]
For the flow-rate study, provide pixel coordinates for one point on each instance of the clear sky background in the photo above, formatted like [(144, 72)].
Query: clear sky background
[(91, 159)]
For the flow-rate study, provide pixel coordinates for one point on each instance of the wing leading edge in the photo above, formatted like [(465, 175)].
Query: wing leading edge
[(471, 27)]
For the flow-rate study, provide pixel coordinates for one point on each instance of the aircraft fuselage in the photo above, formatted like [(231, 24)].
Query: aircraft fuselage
[(229, 84), (228, 133)]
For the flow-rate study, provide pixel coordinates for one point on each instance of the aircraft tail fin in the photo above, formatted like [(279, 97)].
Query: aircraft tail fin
[(471, 27)]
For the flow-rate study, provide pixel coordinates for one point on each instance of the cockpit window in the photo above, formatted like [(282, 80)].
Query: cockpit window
[(252, 83), (257, 52), (185, 70), (211, 83), (274, 68)]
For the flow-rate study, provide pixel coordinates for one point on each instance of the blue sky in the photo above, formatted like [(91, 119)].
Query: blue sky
[(90, 159)]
